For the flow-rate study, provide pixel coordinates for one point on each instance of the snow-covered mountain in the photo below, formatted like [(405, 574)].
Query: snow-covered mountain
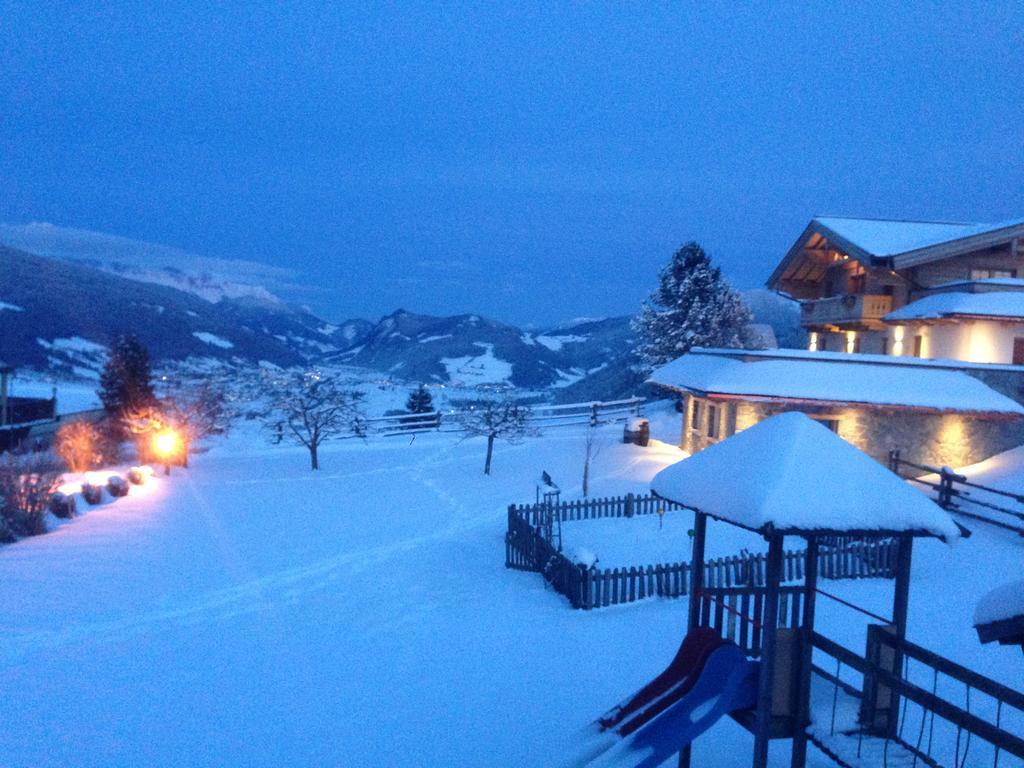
[(471, 349), (62, 316), (209, 278)]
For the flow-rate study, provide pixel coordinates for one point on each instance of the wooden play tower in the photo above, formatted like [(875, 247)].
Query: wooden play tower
[(768, 481)]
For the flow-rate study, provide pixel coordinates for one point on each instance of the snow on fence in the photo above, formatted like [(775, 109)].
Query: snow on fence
[(956, 493), (528, 547), (543, 416)]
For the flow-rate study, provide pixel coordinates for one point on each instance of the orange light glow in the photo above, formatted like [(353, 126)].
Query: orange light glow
[(167, 443)]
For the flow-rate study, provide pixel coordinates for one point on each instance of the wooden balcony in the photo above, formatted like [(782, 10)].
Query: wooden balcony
[(852, 309)]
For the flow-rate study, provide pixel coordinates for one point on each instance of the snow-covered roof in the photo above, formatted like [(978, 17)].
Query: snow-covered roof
[(887, 237), (857, 358), (905, 243), (832, 382), (1002, 603), (791, 474), (983, 283), (1008, 304)]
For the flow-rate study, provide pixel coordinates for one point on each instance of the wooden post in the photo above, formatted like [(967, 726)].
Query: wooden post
[(803, 707), (769, 627), (900, 607), (700, 530)]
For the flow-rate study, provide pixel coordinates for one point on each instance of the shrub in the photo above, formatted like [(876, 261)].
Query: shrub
[(27, 480), (63, 506), (117, 486), (92, 493), (80, 445)]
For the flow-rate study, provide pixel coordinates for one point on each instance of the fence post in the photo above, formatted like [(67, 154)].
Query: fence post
[(945, 488), (628, 511), (593, 414), (894, 460)]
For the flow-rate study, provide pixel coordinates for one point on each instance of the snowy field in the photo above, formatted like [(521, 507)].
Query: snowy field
[(248, 612)]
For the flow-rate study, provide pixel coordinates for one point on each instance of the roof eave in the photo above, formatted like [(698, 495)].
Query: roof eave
[(951, 248), (770, 529), (711, 394)]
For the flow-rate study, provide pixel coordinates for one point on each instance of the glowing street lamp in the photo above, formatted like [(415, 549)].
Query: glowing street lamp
[(167, 445)]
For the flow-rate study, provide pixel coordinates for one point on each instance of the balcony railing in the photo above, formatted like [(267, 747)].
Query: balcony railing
[(852, 308)]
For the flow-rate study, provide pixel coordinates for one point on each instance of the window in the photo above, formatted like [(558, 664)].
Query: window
[(987, 274), (830, 422), (918, 345), (695, 415), (712, 421), (1018, 351)]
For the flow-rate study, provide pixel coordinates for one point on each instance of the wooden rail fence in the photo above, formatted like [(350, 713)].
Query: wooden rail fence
[(542, 416), (529, 548)]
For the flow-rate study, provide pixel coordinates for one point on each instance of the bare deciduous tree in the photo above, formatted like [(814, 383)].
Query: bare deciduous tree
[(504, 419), (309, 408), (592, 448), (27, 480), (80, 445)]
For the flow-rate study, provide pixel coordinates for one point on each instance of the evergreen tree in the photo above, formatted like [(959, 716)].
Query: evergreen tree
[(126, 381), (692, 307), (420, 400)]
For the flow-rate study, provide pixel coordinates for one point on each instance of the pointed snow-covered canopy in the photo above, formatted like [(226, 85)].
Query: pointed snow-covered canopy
[(792, 475)]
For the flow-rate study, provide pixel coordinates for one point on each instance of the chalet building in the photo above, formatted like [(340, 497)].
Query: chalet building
[(20, 415), (932, 413), (853, 276)]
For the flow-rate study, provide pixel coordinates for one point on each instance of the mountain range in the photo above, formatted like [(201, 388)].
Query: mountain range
[(62, 306)]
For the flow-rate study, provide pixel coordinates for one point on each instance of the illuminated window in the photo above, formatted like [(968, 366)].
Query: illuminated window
[(852, 342), (897, 340), (813, 345), (988, 274)]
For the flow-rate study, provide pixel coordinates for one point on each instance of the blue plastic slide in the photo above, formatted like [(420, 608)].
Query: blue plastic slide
[(725, 682)]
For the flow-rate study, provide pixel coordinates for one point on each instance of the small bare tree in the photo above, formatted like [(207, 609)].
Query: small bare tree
[(309, 408), (592, 449), (80, 445), (504, 419), (27, 480)]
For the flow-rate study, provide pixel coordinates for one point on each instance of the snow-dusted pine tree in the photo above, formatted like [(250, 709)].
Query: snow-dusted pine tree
[(126, 382), (420, 400), (692, 306)]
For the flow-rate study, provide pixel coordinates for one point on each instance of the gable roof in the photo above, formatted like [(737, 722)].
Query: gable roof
[(903, 243), (996, 304), (760, 479), (880, 385)]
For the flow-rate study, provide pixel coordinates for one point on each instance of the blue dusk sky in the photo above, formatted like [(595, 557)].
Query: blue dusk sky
[(531, 162)]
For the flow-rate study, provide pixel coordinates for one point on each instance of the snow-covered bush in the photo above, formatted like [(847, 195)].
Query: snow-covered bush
[(62, 505), (93, 494), (117, 486)]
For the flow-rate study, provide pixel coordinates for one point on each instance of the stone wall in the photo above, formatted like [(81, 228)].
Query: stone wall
[(936, 439)]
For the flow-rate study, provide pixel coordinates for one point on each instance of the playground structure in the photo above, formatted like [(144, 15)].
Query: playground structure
[(752, 652)]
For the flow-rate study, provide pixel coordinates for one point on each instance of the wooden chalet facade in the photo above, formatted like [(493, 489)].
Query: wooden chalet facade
[(850, 274)]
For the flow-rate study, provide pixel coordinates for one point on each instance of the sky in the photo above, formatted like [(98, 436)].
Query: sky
[(528, 161)]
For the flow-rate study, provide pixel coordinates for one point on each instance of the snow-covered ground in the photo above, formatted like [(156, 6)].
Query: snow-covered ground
[(249, 612), (71, 396)]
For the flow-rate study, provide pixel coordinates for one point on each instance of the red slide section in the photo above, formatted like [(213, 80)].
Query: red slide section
[(668, 687)]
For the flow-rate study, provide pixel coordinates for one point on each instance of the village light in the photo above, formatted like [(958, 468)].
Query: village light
[(167, 445)]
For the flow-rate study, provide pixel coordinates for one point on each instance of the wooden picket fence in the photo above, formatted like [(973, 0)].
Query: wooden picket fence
[(529, 548)]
